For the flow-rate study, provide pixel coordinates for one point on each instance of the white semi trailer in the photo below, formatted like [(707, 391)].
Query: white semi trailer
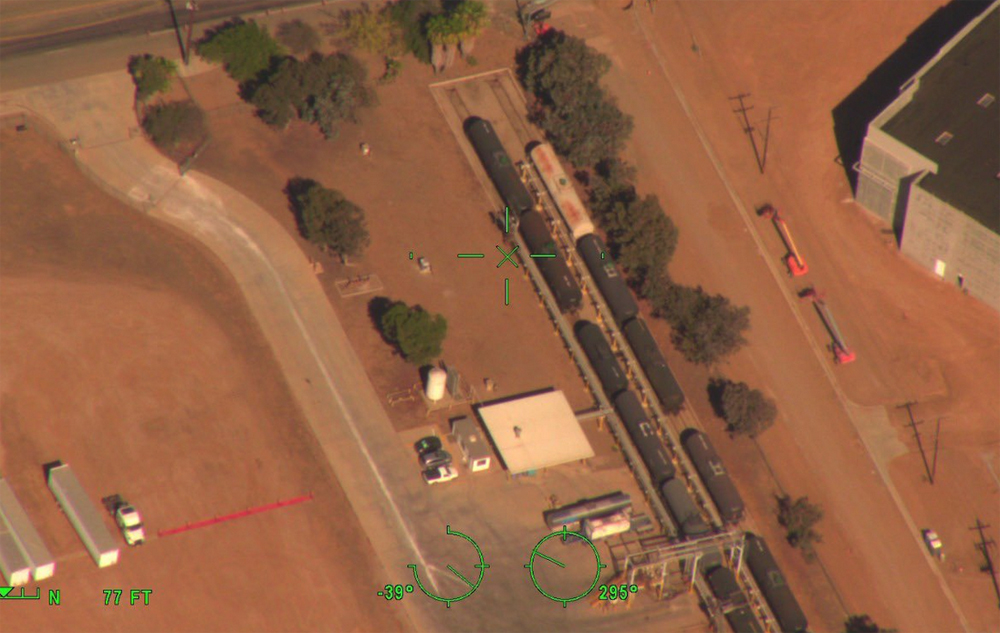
[(83, 514), (14, 567), (15, 520)]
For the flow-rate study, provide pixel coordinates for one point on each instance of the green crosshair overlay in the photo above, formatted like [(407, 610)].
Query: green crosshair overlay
[(507, 257), (535, 553), (481, 566)]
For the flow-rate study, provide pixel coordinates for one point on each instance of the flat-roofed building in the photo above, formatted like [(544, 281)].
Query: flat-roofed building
[(535, 431), (930, 166)]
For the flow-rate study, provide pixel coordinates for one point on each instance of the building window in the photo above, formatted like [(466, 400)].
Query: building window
[(944, 138), (986, 100)]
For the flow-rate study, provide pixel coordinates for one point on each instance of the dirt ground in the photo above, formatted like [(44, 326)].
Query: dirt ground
[(941, 349), (420, 196), (128, 354)]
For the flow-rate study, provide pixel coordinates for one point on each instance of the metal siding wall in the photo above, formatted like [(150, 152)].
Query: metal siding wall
[(878, 181), (935, 230)]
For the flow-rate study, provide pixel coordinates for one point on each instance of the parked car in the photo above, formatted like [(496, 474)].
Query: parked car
[(440, 474), (934, 545), (427, 444), (433, 459)]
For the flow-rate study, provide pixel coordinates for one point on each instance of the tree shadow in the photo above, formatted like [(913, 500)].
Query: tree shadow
[(377, 308), (294, 189), (852, 115), (716, 387)]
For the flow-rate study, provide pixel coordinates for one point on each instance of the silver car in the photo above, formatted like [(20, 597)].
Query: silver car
[(433, 459)]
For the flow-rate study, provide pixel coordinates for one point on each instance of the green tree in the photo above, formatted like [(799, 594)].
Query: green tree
[(706, 328), (327, 218), (299, 37), (746, 411), (612, 183), (411, 18), (586, 125), (443, 32), (372, 31), (799, 518), (556, 68), (643, 237), (170, 124), (245, 49), (151, 74), (321, 90), (863, 623), (418, 334), (473, 18)]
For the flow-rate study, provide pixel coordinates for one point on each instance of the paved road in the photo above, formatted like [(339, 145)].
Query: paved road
[(79, 24)]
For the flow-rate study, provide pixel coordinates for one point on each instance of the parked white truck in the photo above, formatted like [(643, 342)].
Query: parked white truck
[(83, 514), (127, 518)]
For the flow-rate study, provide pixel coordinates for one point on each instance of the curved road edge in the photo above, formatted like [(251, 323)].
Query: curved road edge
[(93, 116)]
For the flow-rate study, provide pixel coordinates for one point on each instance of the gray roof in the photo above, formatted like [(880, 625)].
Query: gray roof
[(946, 101), (535, 431)]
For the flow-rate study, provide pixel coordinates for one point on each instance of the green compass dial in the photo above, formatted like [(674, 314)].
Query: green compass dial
[(535, 553), (481, 566)]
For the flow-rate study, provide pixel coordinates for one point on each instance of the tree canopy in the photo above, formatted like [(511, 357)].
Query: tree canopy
[(151, 74), (558, 67), (298, 36), (418, 334), (746, 411), (171, 124), (373, 31), (642, 237), (245, 49), (586, 126), (411, 17), (799, 518), (327, 218), (321, 90), (706, 328)]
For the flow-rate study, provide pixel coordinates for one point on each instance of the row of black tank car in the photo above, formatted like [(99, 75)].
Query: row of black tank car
[(651, 449), (557, 274), (772, 585), (733, 603), (518, 199), (625, 311)]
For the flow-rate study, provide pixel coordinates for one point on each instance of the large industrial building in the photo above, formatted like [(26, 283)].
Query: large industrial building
[(930, 164)]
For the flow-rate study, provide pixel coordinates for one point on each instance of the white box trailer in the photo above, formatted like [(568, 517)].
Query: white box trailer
[(16, 521), (83, 514), (475, 453), (13, 565)]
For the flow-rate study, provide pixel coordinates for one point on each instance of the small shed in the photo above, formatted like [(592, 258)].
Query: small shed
[(475, 453), (535, 431)]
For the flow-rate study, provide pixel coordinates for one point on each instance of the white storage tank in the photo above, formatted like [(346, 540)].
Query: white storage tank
[(437, 379)]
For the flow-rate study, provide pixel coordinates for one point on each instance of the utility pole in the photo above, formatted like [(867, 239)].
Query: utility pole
[(920, 445), (983, 546), (177, 30), (767, 135), (748, 129), (191, 7)]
